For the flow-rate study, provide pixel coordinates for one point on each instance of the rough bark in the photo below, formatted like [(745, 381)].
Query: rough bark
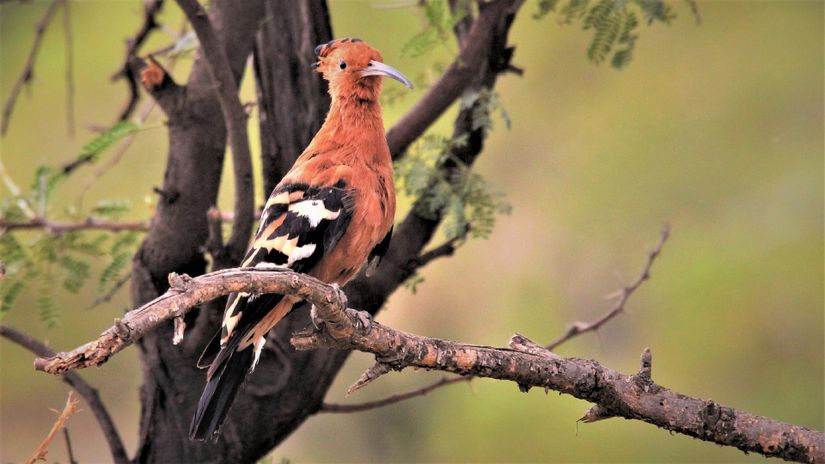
[(292, 100), (524, 362), (197, 143)]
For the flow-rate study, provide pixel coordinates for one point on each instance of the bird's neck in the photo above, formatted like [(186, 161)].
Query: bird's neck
[(355, 122)]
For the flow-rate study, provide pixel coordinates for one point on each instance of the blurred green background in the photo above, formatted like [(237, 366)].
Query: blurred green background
[(715, 128)]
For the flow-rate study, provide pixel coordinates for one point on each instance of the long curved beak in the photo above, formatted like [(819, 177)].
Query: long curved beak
[(377, 68)]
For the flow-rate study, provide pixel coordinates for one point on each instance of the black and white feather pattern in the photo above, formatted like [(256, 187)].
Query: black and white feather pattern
[(299, 225)]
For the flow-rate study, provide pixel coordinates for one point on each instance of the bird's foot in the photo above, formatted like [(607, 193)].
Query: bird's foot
[(317, 322), (363, 318)]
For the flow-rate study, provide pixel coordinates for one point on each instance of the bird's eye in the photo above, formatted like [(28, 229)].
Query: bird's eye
[(342, 65)]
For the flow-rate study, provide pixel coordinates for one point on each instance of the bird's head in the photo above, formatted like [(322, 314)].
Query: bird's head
[(354, 69)]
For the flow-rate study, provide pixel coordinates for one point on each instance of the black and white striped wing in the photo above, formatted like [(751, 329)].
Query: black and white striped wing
[(299, 225)]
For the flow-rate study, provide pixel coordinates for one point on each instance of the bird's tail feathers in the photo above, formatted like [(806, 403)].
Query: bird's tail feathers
[(220, 391)]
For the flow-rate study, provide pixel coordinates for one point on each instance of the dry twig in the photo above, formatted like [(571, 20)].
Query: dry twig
[(235, 119), (150, 10), (70, 408), (86, 391), (28, 70), (69, 449), (56, 227), (578, 328), (366, 406)]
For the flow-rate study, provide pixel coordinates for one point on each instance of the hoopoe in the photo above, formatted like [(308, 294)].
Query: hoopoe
[(330, 214)]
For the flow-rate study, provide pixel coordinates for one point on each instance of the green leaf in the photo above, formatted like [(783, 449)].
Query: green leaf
[(111, 209), (10, 289), (46, 307), (102, 142), (545, 7), (76, 272)]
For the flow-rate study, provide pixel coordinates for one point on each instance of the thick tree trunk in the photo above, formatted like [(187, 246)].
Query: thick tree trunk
[(197, 143), (287, 386)]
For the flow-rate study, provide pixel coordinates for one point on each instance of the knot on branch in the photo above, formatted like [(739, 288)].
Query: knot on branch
[(521, 343), (180, 283), (643, 378)]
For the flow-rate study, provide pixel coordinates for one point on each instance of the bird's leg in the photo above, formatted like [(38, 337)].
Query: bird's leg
[(317, 322)]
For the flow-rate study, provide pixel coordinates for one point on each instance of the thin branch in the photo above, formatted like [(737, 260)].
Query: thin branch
[(28, 70), (366, 406), (107, 297), (150, 10), (235, 119), (68, 410), (461, 27), (86, 391), (575, 329), (445, 249), (143, 115), (62, 227), (69, 42), (579, 328), (69, 449), (472, 58)]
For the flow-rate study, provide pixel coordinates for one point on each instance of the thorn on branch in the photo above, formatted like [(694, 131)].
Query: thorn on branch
[(595, 414), (377, 370), (646, 362), (521, 343)]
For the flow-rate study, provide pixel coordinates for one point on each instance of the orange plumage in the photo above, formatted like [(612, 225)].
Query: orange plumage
[(329, 214)]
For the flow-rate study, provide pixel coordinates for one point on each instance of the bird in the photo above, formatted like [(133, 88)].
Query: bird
[(330, 214)]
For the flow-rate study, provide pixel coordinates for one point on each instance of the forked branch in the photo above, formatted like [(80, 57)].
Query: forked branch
[(524, 362)]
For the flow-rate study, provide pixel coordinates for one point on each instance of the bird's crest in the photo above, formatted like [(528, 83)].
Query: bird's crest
[(350, 66)]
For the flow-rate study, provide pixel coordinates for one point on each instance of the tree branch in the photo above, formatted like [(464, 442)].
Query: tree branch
[(578, 328), (62, 227), (529, 365), (366, 406), (68, 38), (184, 294), (90, 223), (86, 391), (466, 67), (28, 70), (235, 119), (524, 362), (150, 10), (63, 417)]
